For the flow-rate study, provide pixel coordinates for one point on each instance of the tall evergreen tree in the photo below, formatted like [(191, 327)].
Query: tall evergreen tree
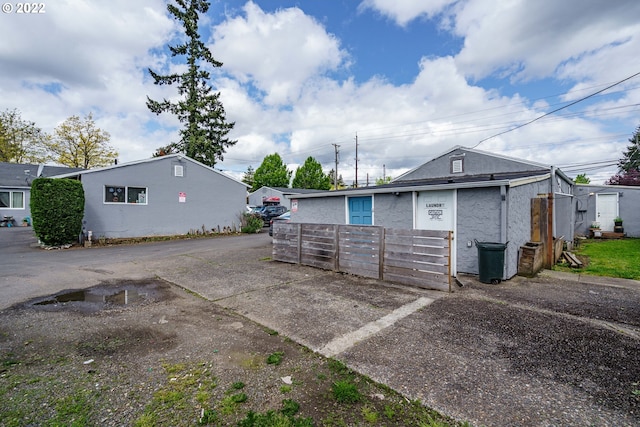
[(332, 177), (310, 176), (204, 135), (629, 172), (631, 157), (248, 176), (271, 173)]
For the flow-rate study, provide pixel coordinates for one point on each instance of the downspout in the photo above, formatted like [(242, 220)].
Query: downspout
[(503, 213), (503, 229), (554, 179), (552, 220)]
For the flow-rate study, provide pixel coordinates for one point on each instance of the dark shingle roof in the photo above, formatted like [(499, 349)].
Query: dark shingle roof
[(21, 174)]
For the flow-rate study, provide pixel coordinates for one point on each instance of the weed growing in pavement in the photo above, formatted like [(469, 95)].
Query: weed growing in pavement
[(73, 410), (285, 417), (239, 385), (369, 414), (389, 412), (344, 391), (184, 385), (275, 358), (208, 416), (290, 407), (636, 391), (285, 389)]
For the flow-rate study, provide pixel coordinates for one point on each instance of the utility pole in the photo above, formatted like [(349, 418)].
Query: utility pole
[(356, 182), (335, 174), (384, 173)]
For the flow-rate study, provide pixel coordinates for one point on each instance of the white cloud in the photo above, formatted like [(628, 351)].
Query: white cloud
[(531, 39), (404, 11), (94, 54), (278, 52)]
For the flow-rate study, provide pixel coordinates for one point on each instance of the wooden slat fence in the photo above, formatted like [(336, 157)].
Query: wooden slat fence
[(413, 257)]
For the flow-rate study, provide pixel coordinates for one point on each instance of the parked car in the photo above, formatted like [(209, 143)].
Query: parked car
[(285, 217), (269, 212)]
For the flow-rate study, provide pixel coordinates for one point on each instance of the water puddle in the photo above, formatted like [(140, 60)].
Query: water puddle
[(122, 297), (103, 296)]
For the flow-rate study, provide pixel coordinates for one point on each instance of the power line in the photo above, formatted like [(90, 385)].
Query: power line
[(558, 109)]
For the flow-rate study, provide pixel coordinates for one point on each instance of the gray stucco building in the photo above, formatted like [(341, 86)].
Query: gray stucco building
[(15, 187), (257, 197), (167, 195), (603, 203), (477, 195)]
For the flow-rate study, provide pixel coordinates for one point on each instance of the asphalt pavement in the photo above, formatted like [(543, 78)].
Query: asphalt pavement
[(458, 353)]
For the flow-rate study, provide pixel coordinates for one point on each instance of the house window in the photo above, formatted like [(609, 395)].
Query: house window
[(137, 195), (114, 194), (12, 199), (178, 170)]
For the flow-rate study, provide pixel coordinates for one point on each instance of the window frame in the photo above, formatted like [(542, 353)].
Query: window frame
[(11, 200), (125, 195)]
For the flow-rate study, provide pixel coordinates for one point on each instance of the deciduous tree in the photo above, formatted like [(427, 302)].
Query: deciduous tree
[(310, 176), (630, 177), (21, 141), (79, 143), (271, 173), (204, 135)]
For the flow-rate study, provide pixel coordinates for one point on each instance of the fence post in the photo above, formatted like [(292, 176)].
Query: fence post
[(381, 253), (449, 238), (299, 243), (336, 242)]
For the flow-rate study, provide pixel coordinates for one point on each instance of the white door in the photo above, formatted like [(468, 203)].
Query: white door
[(606, 210), (436, 210)]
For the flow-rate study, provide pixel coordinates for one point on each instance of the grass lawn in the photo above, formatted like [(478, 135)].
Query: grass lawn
[(613, 258)]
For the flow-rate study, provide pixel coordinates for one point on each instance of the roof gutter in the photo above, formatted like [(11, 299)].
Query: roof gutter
[(405, 189)]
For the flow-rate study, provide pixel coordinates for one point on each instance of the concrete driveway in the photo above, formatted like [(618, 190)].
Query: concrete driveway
[(548, 351)]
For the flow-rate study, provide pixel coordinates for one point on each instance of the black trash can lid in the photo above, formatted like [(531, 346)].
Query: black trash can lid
[(492, 246)]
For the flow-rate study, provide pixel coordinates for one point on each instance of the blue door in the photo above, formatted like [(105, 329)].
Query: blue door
[(360, 210)]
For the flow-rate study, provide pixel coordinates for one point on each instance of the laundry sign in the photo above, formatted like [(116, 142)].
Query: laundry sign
[(182, 197), (436, 210)]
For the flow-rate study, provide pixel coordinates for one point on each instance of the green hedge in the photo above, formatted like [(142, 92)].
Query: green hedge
[(57, 209)]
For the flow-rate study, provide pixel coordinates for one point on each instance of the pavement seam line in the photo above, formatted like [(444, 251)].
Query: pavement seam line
[(348, 340)]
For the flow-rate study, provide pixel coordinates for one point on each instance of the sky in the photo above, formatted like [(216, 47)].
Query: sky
[(398, 82)]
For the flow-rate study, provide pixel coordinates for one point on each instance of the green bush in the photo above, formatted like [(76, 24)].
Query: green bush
[(57, 209), (251, 223)]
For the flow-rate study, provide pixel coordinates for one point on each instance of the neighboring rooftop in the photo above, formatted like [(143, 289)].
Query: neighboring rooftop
[(22, 174)]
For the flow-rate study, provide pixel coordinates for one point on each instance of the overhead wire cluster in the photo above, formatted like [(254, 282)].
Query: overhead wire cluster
[(466, 123)]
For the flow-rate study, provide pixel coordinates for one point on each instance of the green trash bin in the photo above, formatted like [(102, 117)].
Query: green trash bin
[(491, 261)]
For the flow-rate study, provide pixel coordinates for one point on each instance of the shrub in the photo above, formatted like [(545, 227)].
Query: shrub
[(57, 208), (251, 223)]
